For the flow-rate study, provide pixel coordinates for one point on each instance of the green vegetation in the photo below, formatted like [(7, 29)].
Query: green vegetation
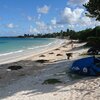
[(51, 81), (94, 41), (92, 36), (93, 8), (60, 34)]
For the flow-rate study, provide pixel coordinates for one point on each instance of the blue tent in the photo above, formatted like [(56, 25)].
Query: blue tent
[(86, 66)]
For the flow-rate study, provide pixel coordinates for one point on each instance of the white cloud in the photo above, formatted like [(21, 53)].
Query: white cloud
[(71, 16), (50, 28), (76, 2), (60, 26), (41, 25), (76, 19), (43, 10), (97, 23), (54, 21), (86, 21), (29, 18), (10, 25), (39, 16), (33, 30)]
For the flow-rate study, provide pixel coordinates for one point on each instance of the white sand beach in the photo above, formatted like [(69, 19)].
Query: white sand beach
[(30, 52), (28, 83)]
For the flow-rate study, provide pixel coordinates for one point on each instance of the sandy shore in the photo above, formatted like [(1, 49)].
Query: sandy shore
[(27, 83), (30, 52)]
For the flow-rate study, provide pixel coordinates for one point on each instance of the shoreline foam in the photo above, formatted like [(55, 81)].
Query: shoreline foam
[(23, 54)]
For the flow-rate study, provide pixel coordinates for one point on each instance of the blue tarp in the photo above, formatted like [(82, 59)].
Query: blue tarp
[(86, 66)]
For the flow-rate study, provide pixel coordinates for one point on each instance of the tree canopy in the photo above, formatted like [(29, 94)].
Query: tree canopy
[(93, 8)]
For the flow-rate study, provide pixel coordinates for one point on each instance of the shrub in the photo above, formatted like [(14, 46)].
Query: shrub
[(94, 41), (51, 81)]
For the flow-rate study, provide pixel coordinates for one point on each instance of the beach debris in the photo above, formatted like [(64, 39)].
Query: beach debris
[(93, 51), (42, 56), (64, 46), (57, 49), (51, 53), (52, 81), (54, 94), (42, 61), (69, 55), (59, 55), (15, 67)]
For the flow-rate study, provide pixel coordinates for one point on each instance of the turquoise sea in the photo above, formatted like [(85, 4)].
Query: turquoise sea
[(13, 49), (10, 45)]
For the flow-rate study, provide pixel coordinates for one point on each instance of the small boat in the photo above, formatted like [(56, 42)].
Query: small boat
[(86, 66)]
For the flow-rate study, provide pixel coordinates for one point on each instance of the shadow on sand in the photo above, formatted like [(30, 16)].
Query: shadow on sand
[(32, 84)]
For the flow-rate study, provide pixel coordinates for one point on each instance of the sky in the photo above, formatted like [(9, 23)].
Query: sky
[(18, 17)]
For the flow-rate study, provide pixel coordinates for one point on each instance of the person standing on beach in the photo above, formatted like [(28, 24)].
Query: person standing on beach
[(72, 44)]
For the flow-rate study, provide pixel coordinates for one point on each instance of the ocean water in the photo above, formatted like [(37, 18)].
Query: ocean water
[(12, 49), (10, 45)]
